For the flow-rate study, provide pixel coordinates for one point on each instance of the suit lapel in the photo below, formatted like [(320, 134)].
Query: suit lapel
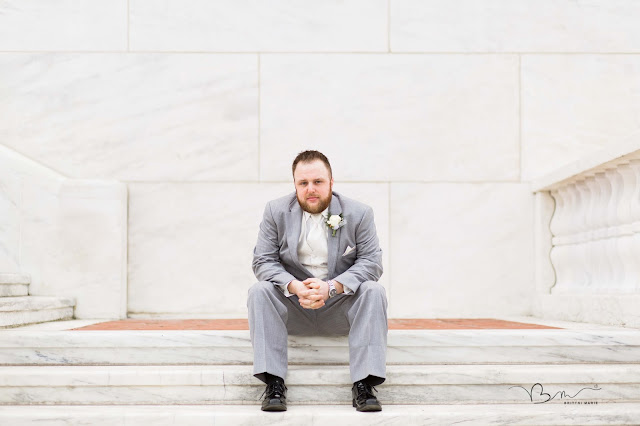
[(294, 223), (333, 242)]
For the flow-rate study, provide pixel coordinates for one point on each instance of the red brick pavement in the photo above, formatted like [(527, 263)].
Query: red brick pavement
[(242, 324)]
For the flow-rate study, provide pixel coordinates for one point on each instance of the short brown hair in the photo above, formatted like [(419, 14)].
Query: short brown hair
[(309, 156)]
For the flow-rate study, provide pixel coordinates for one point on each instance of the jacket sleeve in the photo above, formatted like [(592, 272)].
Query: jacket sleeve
[(266, 254), (368, 263)]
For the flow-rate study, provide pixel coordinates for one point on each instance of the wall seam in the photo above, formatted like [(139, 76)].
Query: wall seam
[(520, 117), (128, 25), (389, 26)]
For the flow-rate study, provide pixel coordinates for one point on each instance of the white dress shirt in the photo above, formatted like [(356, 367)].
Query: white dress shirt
[(315, 262)]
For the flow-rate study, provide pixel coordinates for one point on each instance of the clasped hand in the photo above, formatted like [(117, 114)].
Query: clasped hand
[(311, 292)]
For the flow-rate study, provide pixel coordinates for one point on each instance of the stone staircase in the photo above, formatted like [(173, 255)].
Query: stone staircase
[(168, 377), (17, 308)]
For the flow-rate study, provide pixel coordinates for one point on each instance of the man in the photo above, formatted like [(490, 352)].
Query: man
[(318, 261)]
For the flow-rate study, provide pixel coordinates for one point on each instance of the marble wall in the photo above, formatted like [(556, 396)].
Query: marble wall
[(438, 113), (68, 235)]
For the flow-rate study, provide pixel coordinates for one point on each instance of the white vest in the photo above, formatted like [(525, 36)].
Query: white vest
[(315, 262)]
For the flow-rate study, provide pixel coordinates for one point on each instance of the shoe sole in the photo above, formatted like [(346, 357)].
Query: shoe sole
[(274, 408), (369, 407)]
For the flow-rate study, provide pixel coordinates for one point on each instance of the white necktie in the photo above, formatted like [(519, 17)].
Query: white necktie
[(314, 237)]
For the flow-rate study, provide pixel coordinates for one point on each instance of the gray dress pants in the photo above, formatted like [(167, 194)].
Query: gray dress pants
[(361, 315)]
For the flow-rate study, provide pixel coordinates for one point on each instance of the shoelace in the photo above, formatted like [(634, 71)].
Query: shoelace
[(363, 392), (274, 390)]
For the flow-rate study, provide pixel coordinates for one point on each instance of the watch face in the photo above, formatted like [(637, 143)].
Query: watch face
[(333, 292)]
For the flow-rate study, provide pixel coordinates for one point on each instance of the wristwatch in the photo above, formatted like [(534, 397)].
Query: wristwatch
[(332, 289)]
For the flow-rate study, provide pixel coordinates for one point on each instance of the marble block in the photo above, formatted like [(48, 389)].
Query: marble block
[(13, 290), (14, 279), (95, 25), (415, 347), (337, 415), (461, 250), (74, 244), (574, 105), (69, 235), (514, 26), (392, 117), (167, 117), (409, 384), (20, 310), (10, 222), (258, 26)]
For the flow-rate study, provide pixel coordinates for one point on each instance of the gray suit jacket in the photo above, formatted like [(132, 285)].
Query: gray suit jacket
[(275, 257)]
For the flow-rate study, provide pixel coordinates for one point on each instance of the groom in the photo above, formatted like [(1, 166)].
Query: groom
[(317, 261)]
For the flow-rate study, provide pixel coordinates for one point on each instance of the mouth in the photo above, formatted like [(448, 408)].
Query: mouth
[(312, 198)]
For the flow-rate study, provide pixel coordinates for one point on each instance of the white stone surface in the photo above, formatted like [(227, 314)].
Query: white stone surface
[(16, 311), (74, 245), (33, 303), (339, 415), (299, 375), (613, 154), (461, 250), (14, 279), (613, 309), (19, 318), (191, 245), (574, 105), (63, 325), (63, 25), (133, 116), (72, 235), (409, 384), (13, 290), (208, 347), (10, 223), (254, 25), (14, 285), (392, 117), (514, 26)]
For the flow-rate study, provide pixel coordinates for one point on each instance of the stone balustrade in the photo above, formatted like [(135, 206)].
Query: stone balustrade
[(595, 227)]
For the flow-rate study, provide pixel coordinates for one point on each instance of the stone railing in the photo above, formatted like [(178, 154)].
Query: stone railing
[(69, 235), (595, 227)]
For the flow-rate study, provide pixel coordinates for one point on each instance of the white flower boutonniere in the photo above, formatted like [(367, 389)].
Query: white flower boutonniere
[(335, 222)]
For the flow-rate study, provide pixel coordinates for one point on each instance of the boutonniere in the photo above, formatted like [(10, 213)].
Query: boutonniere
[(335, 222)]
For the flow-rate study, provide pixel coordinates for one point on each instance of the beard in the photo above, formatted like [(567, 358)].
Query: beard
[(319, 207)]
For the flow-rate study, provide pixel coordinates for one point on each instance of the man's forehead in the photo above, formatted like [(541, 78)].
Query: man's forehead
[(314, 170)]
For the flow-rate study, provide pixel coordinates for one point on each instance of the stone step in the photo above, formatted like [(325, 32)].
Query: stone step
[(21, 310), (212, 347), (410, 384), (405, 415), (14, 285)]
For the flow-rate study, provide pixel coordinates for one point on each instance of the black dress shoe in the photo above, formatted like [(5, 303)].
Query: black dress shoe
[(363, 397), (275, 398)]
